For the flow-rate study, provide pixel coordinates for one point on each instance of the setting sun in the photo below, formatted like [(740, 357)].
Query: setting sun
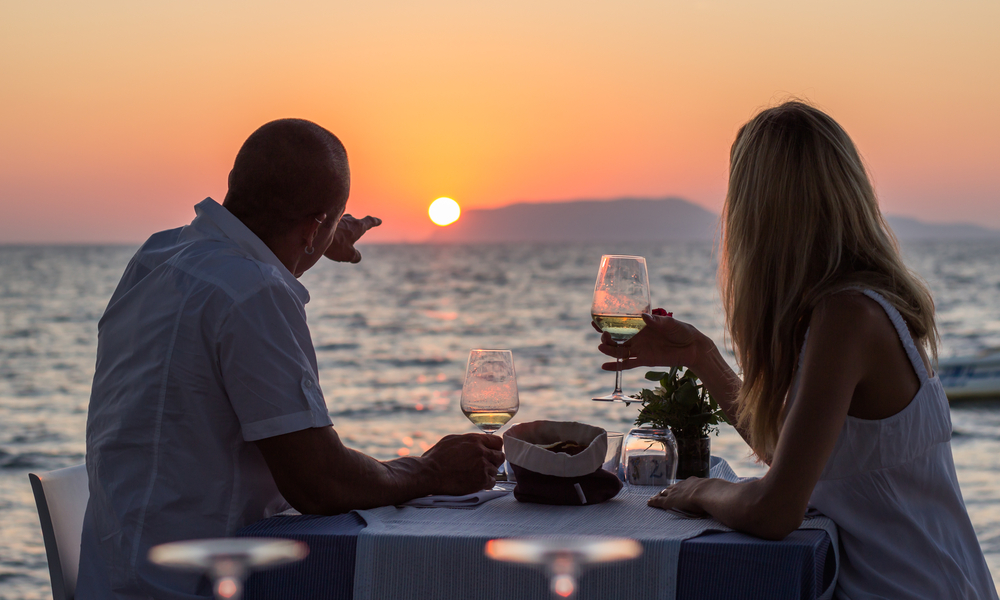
[(444, 211)]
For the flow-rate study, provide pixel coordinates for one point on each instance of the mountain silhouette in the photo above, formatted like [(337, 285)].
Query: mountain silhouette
[(638, 220), (908, 228), (625, 219)]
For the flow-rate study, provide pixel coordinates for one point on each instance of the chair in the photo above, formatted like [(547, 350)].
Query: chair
[(61, 498)]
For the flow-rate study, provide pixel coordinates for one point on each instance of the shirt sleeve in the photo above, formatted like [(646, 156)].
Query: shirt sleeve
[(268, 365)]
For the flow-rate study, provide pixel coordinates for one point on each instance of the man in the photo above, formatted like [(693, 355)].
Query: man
[(206, 412)]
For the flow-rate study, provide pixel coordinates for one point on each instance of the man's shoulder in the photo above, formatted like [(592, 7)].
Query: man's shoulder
[(227, 266), (216, 265)]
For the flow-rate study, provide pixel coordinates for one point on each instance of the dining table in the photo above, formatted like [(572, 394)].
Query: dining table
[(437, 553)]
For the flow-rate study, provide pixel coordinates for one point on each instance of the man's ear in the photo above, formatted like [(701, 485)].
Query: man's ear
[(311, 226)]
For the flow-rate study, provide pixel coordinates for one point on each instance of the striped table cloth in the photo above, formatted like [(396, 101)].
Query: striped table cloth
[(418, 553)]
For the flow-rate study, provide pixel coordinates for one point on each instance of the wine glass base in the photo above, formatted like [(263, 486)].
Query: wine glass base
[(619, 397)]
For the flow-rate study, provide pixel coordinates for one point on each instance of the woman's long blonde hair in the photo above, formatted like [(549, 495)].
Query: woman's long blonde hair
[(800, 221)]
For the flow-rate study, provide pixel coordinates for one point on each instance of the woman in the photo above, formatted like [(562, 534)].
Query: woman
[(832, 333)]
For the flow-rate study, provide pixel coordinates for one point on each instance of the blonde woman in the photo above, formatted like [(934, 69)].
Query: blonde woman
[(833, 334)]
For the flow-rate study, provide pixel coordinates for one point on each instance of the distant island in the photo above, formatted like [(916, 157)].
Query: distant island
[(633, 219), (908, 228), (638, 220)]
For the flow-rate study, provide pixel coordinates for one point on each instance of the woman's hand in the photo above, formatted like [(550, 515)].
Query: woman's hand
[(682, 495), (667, 342), (663, 342)]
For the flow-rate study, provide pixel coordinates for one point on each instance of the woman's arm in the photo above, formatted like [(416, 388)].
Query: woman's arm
[(838, 356)]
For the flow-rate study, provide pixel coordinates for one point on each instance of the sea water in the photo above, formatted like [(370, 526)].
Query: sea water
[(392, 337)]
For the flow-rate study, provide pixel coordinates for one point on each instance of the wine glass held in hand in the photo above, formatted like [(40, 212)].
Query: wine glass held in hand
[(621, 296), (489, 395)]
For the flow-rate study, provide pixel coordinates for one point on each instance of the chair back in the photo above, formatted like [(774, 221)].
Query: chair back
[(61, 498)]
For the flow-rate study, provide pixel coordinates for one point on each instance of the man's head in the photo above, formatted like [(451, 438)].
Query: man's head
[(288, 171)]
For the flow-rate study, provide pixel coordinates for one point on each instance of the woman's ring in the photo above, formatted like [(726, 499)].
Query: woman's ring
[(663, 492)]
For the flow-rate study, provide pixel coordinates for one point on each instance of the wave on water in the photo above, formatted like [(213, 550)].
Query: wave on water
[(331, 347), (44, 461)]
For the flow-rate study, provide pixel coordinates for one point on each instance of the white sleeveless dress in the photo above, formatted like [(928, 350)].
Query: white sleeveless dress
[(890, 487)]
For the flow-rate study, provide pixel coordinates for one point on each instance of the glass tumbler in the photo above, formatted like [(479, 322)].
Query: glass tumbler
[(613, 457), (650, 457)]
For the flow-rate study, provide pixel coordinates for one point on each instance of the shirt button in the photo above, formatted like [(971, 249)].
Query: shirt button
[(308, 383)]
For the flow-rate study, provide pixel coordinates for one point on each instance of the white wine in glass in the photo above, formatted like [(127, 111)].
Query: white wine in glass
[(489, 395), (621, 296), (620, 327), (489, 421)]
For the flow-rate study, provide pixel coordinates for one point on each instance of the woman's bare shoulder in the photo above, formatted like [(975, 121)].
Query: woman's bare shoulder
[(851, 318), (849, 305)]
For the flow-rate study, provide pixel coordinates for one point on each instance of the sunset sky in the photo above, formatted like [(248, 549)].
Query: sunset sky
[(117, 117)]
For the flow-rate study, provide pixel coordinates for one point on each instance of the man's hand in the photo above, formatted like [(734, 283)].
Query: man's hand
[(464, 464), (349, 231)]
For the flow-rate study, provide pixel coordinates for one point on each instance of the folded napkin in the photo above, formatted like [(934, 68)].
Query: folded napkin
[(466, 501), (548, 476)]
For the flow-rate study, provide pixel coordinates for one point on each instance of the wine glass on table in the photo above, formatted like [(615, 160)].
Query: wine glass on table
[(621, 296), (489, 395)]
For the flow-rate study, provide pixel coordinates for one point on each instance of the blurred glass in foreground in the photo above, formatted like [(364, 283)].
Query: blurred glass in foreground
[(563, 558), (227, 561)]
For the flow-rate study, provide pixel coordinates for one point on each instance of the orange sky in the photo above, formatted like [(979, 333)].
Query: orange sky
[(117, 117)]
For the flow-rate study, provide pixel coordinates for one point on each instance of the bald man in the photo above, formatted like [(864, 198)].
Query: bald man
[(206, 412)]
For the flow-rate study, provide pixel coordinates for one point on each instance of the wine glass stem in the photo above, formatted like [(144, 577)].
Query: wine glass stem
[(502, 474), (618, 371), (227, 579)]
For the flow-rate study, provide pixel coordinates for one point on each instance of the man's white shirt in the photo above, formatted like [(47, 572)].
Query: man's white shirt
[(202, 350)]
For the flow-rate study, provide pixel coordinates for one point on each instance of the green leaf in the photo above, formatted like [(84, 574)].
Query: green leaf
[(686, 407), (687, 395)]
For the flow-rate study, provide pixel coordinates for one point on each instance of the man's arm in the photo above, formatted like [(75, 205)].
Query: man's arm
[(317, 474)]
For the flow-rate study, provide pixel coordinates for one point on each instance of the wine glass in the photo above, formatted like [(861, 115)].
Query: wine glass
[(563, 557), (621, 295), (227, 560), (489, 395)]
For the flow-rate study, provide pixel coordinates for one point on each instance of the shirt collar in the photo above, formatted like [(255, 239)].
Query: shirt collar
[(240, 234)]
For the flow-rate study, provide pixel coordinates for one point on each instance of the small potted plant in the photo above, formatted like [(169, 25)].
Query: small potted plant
[(681, 403)]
